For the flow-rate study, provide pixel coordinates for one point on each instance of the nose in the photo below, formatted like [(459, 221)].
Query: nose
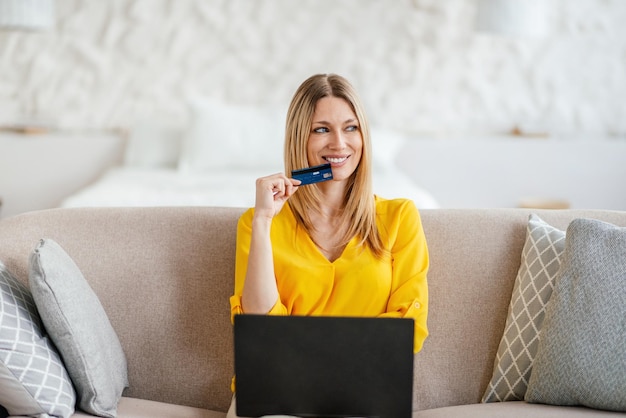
[(337, 140)]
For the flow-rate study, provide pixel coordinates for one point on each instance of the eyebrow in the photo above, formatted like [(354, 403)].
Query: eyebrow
[(323, 122)]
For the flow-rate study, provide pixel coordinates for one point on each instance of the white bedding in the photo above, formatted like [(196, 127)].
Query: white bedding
[(130, 186)]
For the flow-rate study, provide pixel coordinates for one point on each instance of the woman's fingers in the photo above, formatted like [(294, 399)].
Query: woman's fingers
[(273, 191), (287, 188)]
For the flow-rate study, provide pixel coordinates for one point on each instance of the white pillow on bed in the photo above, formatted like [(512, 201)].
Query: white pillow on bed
[(153, 145), (225, 136)]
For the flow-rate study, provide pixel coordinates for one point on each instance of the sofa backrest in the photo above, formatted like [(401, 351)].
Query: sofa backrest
[(165, 275), (474, 258)]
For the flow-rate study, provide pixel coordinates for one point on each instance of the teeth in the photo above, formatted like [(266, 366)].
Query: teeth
[(336, 160)]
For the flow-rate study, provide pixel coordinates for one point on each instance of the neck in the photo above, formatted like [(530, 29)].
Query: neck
[(333, 194)]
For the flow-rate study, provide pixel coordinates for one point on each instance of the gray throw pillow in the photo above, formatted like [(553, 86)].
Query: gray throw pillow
[(581, 357), (33, 380), (80, 328), (541, 257)]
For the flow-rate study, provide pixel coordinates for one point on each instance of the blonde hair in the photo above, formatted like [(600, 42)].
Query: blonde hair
[(359, 208)]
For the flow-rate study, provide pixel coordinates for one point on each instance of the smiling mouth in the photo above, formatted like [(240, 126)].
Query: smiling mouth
[(335, 160)]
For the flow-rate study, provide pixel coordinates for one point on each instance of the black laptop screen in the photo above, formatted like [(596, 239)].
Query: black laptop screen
[(323, 366)]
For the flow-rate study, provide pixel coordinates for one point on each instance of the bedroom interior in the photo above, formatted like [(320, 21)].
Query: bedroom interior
[(473, 103)]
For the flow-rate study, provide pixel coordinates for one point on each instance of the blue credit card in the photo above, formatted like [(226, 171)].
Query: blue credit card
[(313, 174)]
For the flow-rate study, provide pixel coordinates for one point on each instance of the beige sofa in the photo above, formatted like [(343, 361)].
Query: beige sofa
[(164, 276)]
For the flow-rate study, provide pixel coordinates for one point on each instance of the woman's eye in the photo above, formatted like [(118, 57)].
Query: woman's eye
[(320, 130), (352, 128)]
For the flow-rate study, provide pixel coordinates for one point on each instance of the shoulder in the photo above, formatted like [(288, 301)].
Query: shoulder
[(398, 221), (394, 207), (397, 215), (246, 217)]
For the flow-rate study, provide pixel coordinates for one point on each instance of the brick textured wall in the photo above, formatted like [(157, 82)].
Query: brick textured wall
[(418, 64)]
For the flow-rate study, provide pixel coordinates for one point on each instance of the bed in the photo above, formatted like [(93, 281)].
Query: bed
[(215, 160)]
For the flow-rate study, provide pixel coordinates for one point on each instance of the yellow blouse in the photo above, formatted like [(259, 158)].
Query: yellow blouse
[(355, 284)]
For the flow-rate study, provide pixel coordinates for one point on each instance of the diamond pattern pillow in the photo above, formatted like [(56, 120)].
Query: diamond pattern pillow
[(33, 380), (533, 287), (581, 358)]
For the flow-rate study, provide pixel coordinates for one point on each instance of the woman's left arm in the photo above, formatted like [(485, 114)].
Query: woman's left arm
[(409, 257)]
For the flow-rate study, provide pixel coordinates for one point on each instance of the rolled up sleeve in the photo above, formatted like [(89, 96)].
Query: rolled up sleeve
[(409, 293)]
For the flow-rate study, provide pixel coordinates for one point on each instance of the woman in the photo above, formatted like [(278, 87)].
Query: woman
[(330, 248)]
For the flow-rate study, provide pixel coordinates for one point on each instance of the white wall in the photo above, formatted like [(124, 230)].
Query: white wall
[(37, 171), (418, 64), (512, 172)]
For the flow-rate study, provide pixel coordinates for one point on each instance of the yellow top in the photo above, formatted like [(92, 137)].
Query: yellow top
[(355, 284)]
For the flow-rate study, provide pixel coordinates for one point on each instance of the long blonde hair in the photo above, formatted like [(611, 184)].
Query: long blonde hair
[(359, 208)]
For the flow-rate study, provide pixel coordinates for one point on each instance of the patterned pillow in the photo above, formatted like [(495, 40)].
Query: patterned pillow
[(80, 329), (33, 380), (581, 358), (533, 286)]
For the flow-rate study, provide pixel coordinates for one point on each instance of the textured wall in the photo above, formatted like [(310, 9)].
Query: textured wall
[(418, 64)]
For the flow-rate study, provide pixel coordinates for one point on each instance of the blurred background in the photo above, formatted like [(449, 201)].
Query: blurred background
[(475, 103)]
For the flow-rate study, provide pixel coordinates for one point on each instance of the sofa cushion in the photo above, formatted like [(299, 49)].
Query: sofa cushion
[(513, 409), (142, 408), (580, 358), (79, 327), (33, 380), (533, 286)]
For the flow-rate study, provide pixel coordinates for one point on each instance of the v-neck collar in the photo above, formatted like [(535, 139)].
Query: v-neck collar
[(302, 237)]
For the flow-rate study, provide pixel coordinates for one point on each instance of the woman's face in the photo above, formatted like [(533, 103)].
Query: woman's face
[(335, 137)]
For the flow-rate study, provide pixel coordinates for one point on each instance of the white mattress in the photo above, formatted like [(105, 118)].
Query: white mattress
[(128, 186)]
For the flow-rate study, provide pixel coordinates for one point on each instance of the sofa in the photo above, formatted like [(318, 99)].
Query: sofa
[(163, 276)]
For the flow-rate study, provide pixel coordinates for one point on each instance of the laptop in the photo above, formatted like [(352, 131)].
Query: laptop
[(312, 366)]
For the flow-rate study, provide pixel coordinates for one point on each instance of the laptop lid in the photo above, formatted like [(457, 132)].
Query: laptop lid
[(312, 366)]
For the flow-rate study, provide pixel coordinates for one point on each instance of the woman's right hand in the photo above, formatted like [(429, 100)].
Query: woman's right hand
[(272, 192), (260, 292)]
